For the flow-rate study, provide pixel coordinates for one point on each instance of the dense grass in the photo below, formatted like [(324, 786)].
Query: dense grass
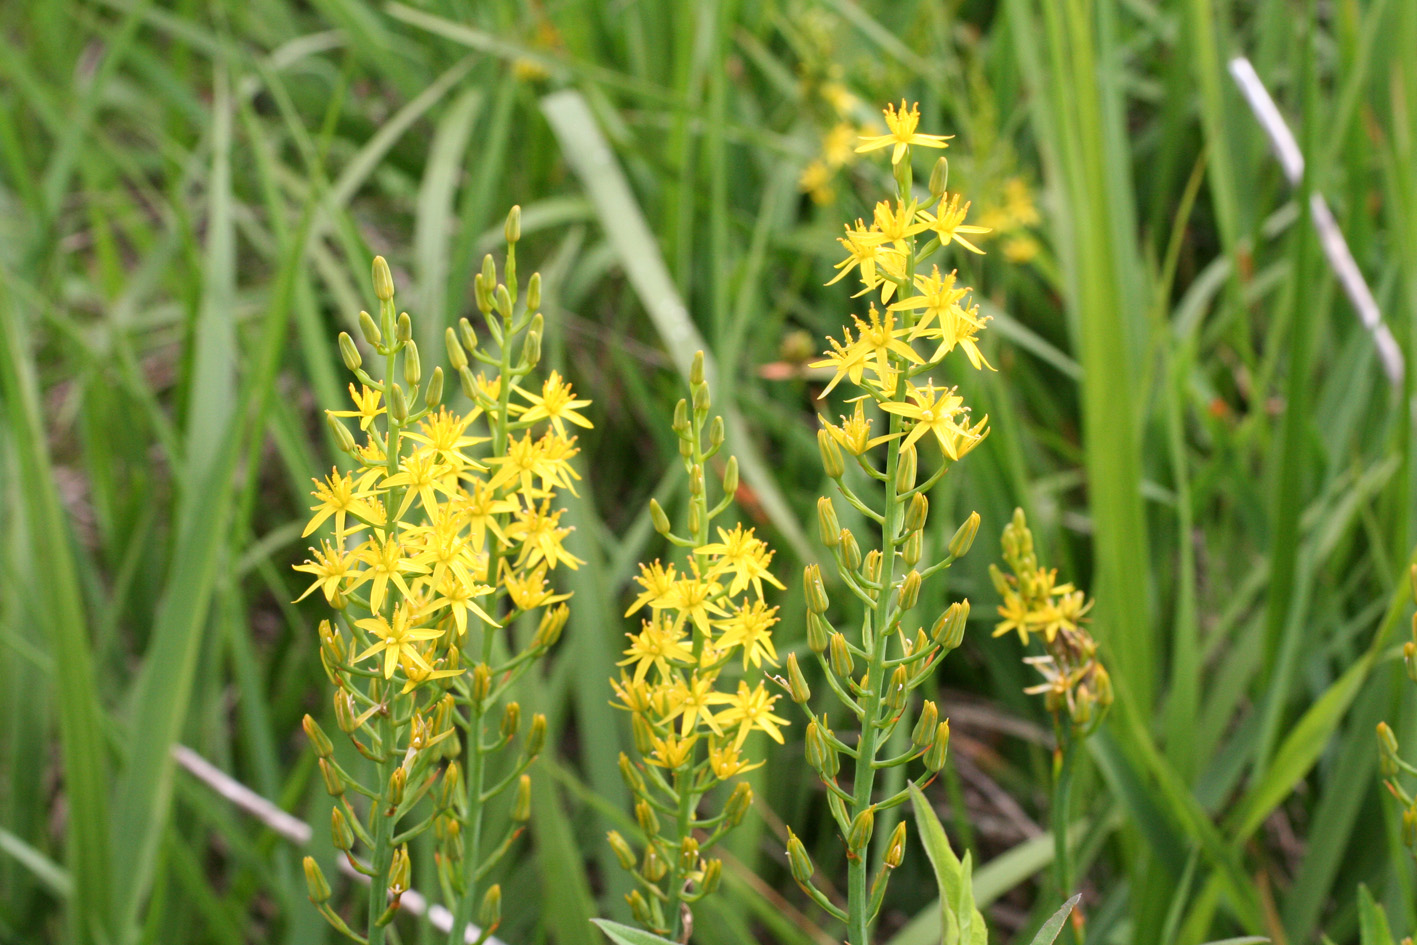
[(1186, 406)]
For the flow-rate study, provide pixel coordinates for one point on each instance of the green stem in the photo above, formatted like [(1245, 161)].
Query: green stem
[(1062, 849)]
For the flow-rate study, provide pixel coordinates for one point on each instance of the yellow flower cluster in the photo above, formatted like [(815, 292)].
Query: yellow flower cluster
[(702, 617), (1074, 680), (1011, 218)]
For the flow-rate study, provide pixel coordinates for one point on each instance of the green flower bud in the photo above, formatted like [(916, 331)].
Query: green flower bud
[(817, 600), (647, 818), (860, 833), (832, 463), (702, 400), (469, 384), (536, 736), (800, 691), (412, 365), (633, 779), (452, 782), (964, 537), (502, 301), (531, 349), (840, 656), (681, 419), (849, 552), (738, 803), (905, 470), (621, 848), (948, 630), (909, 590), (653, 866), (457, 357), (383, 280), (924, 732), (346, 716), (818, 631), (334, 782), (398, 783), (716, 434), (369, 330), (468, 335), (895, 849), (871, 566), (511, 720), (433, 396), (713, 875), (696, 517), (696, 480), (349, 352), (399, 872), (939, 177), (533, 292), (481, 682), (642, 733), (688, 855), (513, 230), (897, 690), (696, 370), (639, 909), (548, 631), (910, 549), (404, 330), (939, 748), (827, 524), (341, 834), (319, 888), (521, 805), (821, 752), (730, 476), (489, 914), (798, 859), (916, 512), (1387, 750), (398, 404), (657, 516), (318, 739)]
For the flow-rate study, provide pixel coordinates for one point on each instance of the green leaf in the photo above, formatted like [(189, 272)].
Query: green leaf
[(952, 877), (1372, 920), (628, 935), (1049, 932)]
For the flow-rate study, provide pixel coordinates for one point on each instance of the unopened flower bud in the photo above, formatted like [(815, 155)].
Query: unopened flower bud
[(469, 384), (319, 888), (909, 590), (696, 480), (341, 834), (349, 352), (939, 748), (939, 177), (481, 682), (849, 551), (798, 859), (797, 683), (398, 782), (818, 632), (905, 470), (821, 752), (502, 301), (696, 369), (713, 875), (702, 400), (688, 855), (531, 349), (457, 357), (533, 292), (383, 280), (468, 336), (639, 908), (536, 735), (910, 549), (964, 536), (1387, 750), (948, 630), (412, 365), (653, 866), (398, 404), (548, 631), (832, 463), (738, 803), (513, 230), (489, 914), (621, 848), (716, 434), (916, 512), (521, 805), (897, 690), (404, 329), (642, 733), (633, 779), (827, 524), (452, 845), (646, 817), (871, 566), (895, 848), (681, 419), (840, 656), (399, 872), (433, 395), (511, 720), (343, 439), (657, 516), (346, 717), (817, 600), (452, 782), (489, 271), (861, 827), (730, 476), (318, 739), (924, 732), (334, 782)]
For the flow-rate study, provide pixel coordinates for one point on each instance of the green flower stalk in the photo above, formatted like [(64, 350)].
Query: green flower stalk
[(874, 673), (1393, 767), (690, 726), (441, 538)]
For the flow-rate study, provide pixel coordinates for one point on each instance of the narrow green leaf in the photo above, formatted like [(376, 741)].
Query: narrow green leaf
[(1049, 932), (1372, 920), (950, 876), (628, 935)]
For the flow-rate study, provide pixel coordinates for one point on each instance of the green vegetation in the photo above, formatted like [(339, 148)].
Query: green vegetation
[(1186, 407)]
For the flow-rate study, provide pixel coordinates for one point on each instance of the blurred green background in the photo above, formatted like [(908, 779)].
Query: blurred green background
[(1186, 406)]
